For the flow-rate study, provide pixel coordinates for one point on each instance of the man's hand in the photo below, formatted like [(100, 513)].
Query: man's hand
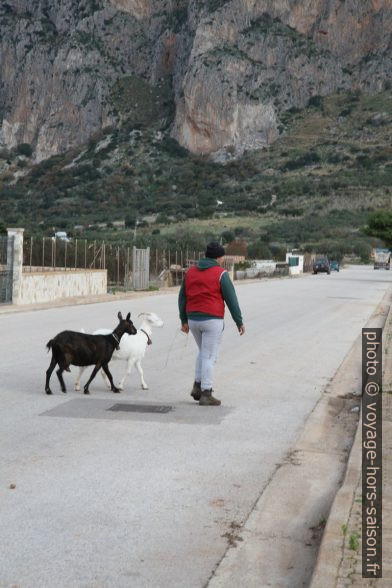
[(241, 329), (185, 328)]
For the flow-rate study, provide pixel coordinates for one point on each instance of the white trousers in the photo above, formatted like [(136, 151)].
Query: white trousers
[(208, 336)]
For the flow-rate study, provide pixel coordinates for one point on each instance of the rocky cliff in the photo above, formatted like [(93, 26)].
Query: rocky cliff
[(216, 74)]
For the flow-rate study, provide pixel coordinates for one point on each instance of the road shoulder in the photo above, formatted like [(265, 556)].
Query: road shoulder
[(278, 544), (339, 562)]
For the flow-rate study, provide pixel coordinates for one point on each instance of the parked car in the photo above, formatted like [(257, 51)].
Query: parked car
[(335, 266), (382, 259), (321, 265)]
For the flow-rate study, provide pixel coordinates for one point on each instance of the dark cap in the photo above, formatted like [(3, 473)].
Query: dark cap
[(214, 250)]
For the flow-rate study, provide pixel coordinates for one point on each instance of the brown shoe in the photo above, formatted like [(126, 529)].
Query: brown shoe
[(196, 391), (207, 399)]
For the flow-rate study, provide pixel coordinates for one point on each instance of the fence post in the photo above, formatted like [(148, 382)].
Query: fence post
[(31, 252), (128, 269), (43, 252), (17, 263), (148, 268), (118, 266)]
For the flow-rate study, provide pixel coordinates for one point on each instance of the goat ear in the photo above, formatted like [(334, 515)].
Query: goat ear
[(128, 316), (120, 318)]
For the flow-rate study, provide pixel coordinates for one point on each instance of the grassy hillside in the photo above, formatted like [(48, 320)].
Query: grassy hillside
[(317, 183)]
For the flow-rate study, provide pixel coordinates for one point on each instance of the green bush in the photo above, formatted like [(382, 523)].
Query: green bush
[(25, 149), (380, 226), (259, 250), (228, 236)]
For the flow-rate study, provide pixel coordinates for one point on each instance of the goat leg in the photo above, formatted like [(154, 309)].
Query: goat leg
[(78, 377), (127, 373), (91, 378), (140, 370), (109, 375), (49, 371), (105, 379), (61, 380)]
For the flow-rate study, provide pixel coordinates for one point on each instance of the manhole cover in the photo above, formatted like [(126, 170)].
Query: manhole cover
[(140, 408)]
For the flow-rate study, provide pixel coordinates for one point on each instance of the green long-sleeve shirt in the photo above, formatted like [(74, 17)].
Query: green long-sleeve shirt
[(228, 293)]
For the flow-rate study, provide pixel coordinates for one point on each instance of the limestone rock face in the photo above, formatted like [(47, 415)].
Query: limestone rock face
[(252, 60), (139, 8), (233, 65)]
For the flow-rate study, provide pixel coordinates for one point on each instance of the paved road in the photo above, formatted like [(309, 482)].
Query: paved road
[(114, 499)]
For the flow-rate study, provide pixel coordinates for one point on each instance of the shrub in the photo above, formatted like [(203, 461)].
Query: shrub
[(227, 236), (25, 149), (259, 250), (316, 101), (173, 147), (380, 226)]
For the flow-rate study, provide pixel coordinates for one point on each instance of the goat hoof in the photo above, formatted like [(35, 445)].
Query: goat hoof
[(48, 391), (116, 390), (77, 388), (87, 391), (144, 387)]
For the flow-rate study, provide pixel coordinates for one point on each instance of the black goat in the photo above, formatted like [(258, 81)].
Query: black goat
[(71, 347)]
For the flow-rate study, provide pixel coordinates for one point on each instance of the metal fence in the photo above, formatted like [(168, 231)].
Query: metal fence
[(164, 265)]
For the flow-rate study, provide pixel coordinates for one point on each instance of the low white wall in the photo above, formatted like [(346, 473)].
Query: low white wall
[(47, 286), (295, 270)]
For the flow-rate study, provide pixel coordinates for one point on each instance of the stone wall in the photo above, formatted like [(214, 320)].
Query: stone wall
[(36, 285), (47, 286)]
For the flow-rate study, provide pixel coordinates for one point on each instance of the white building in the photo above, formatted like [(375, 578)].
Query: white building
[(295, 262)]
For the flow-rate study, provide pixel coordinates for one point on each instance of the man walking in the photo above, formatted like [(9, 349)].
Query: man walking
[(203, 294)]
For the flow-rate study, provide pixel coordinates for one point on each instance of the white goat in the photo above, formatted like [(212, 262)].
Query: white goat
[(132, 349)]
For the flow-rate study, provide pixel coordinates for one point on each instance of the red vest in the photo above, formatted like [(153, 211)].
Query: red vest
[(202, 290)]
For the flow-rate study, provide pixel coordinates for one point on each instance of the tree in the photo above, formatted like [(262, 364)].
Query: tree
[(3, 228), (380, 226), (259, 250)]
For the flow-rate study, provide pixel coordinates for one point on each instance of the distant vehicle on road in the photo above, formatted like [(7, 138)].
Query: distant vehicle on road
[(61, 236), (335, 266), (321, 265), (382, 259)]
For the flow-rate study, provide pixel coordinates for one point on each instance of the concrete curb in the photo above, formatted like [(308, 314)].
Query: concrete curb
[(332, 548), (80, 300)]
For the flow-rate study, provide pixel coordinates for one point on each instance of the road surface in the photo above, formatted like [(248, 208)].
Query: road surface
[(103, 498)]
